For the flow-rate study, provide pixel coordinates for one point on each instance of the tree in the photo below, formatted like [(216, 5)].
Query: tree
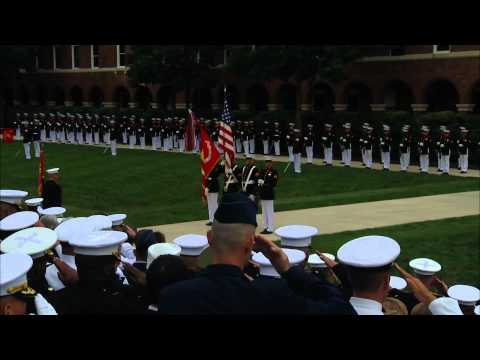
[(180, 66), (264, 63)]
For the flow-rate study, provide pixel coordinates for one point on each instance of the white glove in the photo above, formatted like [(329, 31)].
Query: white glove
[(442, 145), (206, 190), (43, 307), (324, 138), (288, 137), (261, 182)]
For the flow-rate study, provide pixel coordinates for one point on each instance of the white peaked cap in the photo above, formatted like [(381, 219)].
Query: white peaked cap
[(295, 257), (55, 210), (464, 294), (98, 243), (13, 272), (191, 244), (369, 251), (32, 241), (100, 222), (424, 266), (34, 202), (117, 219), (53, 171), (12, 196), (315, 262), (19, 220), (156, 250), (296, 235), (397, 283)]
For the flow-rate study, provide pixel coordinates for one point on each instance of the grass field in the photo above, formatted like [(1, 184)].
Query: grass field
[(157, 188), (454, 243)]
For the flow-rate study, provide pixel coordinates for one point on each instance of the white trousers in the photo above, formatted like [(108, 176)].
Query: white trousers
[(424, 163), (267, 214), (347, 156), (368, 158), (439, 160), (52, 135), (181, 145), (362, 150), (131, 142), (309, 151), (238, 145), (212, 202), (113, 147), (18, 133), (328, 154), (463, 162), (154, 143), (71, 137), (80, 138), (106, 138), (290, 152), (382, 156), (142, 142), (276, 144), (265, 147), (36, 146), (246, 147), (43, 135), (445, 161), (97, 137), (251, 145), (175, 142), (124, 138), (197, 145), (403, 161), (297, 163), (386, 159), (26, 148)]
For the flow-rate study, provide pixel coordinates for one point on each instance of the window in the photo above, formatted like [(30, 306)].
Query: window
[(121, 55), (396, 50), (57, 57), (75, 56), (95, 56), (441, 48)]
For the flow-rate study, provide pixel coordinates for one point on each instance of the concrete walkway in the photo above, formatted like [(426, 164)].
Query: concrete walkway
[(334, 219)]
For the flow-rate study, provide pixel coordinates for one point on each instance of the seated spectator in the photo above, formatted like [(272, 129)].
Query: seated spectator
[(222, 288)]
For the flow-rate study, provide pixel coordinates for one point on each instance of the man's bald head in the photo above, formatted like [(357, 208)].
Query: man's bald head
[(231, 238)]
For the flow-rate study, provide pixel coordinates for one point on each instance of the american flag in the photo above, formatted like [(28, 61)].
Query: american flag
[(225, 136)]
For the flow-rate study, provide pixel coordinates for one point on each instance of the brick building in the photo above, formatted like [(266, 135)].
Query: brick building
[(412, 77)]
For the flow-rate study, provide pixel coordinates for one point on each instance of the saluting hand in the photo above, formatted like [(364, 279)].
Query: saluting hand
[(419, 290), (329, 262), (134, 275), (273, 253), (66, 274)]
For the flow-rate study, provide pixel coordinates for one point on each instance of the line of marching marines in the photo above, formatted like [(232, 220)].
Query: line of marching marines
[(168, 134), (53, 265)]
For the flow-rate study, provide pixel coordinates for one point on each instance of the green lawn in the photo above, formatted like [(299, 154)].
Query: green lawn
[(454, 243), (158, 188)]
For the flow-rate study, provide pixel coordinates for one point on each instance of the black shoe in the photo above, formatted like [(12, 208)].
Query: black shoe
[(438, 170), (445, 173), (463, 172), (346, 165), (209, 223), (386, 169), (266, 232)]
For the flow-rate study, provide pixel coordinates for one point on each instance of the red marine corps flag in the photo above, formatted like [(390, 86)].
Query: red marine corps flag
[(209, 157), (7, 135)]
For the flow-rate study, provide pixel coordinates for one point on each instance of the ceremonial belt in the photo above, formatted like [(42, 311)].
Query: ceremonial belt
[(232, 179), (244, 186)]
